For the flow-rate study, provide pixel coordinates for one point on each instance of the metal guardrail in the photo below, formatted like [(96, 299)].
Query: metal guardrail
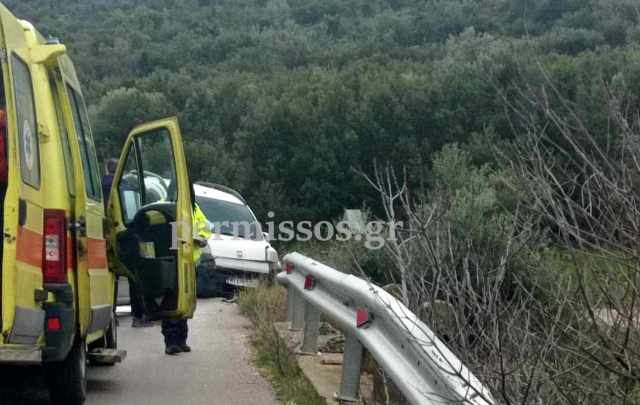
[(419, 364)]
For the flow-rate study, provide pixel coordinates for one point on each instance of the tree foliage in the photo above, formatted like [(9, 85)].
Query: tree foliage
[(281, 98)]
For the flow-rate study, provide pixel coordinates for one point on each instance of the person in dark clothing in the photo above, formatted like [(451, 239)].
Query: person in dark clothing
[(175, 332), (137, 303), (137, 308), (107, 180)]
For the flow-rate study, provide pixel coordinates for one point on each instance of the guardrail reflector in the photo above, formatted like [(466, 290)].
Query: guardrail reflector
[(309, 283), (363, 318), (288, 268)]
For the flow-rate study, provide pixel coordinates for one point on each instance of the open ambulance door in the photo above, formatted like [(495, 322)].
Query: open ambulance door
[(150, 213)]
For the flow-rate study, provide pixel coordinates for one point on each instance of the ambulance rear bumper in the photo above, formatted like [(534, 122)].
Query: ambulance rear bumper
[(20, 356)]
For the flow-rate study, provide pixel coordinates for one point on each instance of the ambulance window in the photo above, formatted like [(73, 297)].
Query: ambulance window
[(27, 130), (87, 148), (64, 137), (91, 147)]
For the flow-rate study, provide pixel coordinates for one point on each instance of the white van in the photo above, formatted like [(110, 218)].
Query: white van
[(241, 251)]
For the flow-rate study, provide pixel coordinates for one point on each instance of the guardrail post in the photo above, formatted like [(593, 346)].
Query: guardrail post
[(351, 370), (290, 303), (298, 304), (311, 329)]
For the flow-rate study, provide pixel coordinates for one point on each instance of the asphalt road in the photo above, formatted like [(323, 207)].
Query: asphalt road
[(218, 371)]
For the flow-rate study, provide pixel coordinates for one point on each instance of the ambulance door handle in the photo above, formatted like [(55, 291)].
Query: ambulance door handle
[(22, 212), (80, 226)]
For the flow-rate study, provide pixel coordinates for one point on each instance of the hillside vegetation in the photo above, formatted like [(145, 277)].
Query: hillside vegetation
[(280, 98)]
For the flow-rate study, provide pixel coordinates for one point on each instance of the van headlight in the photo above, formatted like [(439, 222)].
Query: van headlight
[(271, 255)]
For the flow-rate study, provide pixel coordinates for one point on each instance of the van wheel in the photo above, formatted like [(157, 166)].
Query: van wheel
[(67, 380)]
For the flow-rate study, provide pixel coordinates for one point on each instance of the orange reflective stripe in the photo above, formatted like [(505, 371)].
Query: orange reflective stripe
[(29, 247), (97, 255), (70, 253)]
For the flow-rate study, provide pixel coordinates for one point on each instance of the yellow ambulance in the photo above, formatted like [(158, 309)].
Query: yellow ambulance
[(62, 250)]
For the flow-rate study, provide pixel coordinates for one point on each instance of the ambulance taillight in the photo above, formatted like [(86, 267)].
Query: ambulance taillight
[(54, 265)]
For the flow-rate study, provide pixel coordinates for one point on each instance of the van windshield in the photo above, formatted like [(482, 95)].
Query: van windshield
[(230, 219)]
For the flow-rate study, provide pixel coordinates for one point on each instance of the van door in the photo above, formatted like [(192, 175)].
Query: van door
[(95, 283), (151, 210)]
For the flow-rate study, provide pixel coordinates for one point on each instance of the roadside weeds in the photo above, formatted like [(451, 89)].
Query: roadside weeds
[(264, 306)]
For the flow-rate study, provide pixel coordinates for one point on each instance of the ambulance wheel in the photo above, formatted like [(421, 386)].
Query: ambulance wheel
[(111, 337), (67, 380)]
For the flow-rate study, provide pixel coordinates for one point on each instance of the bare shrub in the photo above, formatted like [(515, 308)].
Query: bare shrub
[(583, 183), (468, 267)]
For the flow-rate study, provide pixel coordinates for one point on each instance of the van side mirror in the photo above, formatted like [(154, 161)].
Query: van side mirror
[(47, 54)]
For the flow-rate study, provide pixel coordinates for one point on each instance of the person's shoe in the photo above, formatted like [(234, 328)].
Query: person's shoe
[(185, 348), (172, 350)]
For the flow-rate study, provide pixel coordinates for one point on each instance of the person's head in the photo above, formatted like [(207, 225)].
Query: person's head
[(111, 165)]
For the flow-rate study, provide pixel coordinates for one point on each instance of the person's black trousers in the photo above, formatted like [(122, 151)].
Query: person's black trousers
[(175, 332), (137, 303)]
